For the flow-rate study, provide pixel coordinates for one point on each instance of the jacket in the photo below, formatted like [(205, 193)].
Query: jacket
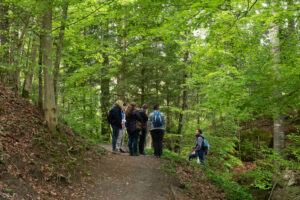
[(199, 142), (144, 117), (116, 117), (131, 121), (150, 122)]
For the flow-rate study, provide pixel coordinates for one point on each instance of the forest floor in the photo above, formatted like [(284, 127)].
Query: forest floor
[(124, 177), (37, 165)]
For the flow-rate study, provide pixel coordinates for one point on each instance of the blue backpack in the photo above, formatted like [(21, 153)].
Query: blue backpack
[(157, 119), (205, 145)]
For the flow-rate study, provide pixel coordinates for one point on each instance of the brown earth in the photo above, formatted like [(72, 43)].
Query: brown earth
[(35, 164)]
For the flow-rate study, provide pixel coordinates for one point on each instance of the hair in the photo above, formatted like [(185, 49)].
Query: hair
[(145, 106), (200, 131), (119, 103), (155, 107), (130, 108)]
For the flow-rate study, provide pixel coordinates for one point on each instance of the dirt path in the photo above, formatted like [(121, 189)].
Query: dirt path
[(124, 177)]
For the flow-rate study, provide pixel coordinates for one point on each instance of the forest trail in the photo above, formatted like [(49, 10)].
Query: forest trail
[(124, 177)]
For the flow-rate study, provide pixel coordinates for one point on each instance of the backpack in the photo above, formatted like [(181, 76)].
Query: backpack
[(157, 119), (205, 145), (109, 116)]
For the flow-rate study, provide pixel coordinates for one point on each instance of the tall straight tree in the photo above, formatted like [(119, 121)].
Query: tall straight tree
[(59, 46), (50, 110), (278, 114)]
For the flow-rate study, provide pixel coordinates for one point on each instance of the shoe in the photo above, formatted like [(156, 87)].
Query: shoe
[(136, 154), (122, 151), (115, 152), (143, 154)]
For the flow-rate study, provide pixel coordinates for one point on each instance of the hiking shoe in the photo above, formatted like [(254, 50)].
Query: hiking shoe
[(136, 154), (115, 152), (122, 151)]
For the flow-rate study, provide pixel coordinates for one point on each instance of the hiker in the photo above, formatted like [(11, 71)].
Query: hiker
[(115, 119), (199, 151), (157, 127), (121, 138), (143, 133), (132, 116)]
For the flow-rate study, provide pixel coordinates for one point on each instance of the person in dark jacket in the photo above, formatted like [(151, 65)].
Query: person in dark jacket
[(157, 127), (132, 115), (143, 113), (116, 122), (198, 151)]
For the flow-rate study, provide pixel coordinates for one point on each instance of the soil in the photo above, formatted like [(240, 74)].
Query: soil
[(124, 177)]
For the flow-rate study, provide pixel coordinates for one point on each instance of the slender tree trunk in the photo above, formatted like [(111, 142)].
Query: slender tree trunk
[(184, 102), (278, 116), (105, 94), (31, 66), (50, 110), (59, 48), (4, 38), (121, 92), (40, 77)]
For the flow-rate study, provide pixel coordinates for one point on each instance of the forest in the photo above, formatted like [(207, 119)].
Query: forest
[(229, 67)]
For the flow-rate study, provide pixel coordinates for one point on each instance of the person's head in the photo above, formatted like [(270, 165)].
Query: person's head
[(130, 108), (124, 107), (145, 106), (198, 132), (156, 107), (119, 103)]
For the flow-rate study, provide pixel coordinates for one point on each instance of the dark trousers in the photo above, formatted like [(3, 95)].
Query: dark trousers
[(142, 140), (132, 141), (115, 136), (157, 139), (200, 154)]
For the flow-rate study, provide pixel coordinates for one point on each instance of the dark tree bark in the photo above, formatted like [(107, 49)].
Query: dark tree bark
[(105, 93), (59, 47), (4, 39), (29, 75), (184, 102), (50, 110)]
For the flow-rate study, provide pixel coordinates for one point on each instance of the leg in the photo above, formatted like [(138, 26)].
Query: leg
[(202, 157), (193, 155), (142, 141), (119, 140), (155, 142), (122, 138), (160, 142), (135, 140), (115, 137), (130, 142)]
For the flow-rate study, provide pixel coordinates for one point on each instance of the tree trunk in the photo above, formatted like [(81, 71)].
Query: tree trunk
[(278, 116), (40, 76), (4, 39), (59, 47), (184, 102), (29, 74), (105, 94), (50, 110)]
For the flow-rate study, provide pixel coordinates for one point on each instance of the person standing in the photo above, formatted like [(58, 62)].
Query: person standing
[(132, 116), (157, 127), (199, 151), (115, 120), (121, 138), (142, 141)]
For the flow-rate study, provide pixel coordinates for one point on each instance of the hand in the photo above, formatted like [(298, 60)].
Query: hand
[(194, 152)]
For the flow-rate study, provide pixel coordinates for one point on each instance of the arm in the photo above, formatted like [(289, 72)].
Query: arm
[(199, 143)]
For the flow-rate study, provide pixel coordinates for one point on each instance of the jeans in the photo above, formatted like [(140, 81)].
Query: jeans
[(121, 138), (157, 139), (132, 141), (142, 140), (115, 136), (200, 154)]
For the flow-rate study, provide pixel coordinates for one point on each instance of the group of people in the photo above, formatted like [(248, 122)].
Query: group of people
[(136, 121)]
